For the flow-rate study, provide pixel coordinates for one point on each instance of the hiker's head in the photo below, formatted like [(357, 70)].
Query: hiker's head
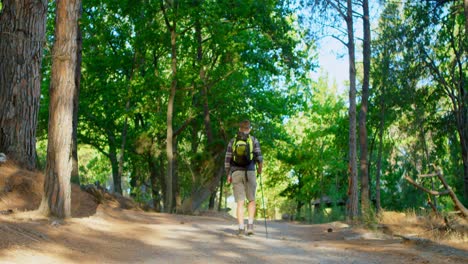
[(244, 126)]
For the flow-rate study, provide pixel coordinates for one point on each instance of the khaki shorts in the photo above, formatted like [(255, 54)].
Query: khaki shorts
[(243, 188)]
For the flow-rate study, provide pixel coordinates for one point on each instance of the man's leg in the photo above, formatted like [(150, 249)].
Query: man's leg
[(239, 195), (240, 214), (251, 209), (251, 188), (240, 217)]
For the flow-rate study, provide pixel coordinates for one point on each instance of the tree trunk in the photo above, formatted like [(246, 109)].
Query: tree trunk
[(56, 199), (352, 206), (206, 107), (427, 159), (365, 204), (380, 150), (199, 196), (22, 37), (169, 197), (124, 179), (177, 200), (154, 179), (75, 176), (116, 181)]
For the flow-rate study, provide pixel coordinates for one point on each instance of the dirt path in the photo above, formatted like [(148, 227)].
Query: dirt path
[(121, 236)]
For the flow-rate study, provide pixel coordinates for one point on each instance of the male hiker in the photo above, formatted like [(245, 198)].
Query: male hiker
[(243, 153)]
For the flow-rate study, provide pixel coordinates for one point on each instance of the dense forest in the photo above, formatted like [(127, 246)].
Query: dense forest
[(142, 97)]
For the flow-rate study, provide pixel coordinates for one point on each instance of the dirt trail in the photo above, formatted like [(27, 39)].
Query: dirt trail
[(101, 231), (127, 236)]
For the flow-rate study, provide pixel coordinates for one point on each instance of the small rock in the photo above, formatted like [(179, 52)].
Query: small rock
[(3, 157), (6, 212)]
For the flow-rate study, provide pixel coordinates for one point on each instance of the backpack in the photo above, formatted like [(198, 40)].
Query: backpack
[(242, 150)]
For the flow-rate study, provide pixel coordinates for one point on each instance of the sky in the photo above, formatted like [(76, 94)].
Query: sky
[(333, 60), (333, 55)]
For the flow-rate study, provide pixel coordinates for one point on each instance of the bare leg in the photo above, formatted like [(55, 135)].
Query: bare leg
[(251, 209), (240, 212)]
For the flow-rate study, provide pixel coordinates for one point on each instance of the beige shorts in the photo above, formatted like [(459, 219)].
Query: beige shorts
[(242, 187)]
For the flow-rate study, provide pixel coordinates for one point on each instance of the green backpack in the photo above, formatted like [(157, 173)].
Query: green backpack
[(242, 151)]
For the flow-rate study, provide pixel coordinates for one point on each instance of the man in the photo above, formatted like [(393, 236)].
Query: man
[(242, 176)]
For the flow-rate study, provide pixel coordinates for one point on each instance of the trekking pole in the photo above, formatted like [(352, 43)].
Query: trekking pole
[(264, 210)]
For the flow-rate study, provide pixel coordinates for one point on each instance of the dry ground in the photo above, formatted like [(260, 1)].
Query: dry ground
[(108, 233)]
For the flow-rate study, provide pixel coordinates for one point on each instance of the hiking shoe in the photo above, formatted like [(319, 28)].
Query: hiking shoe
[(241, 232), (250, 229)]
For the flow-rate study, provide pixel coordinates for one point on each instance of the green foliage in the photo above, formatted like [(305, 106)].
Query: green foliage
[(251, 59), (327, 215), (411, 103), (94, 167), (312, 156)]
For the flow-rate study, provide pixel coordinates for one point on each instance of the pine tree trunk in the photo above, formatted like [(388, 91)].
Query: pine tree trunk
[(380, 150), (57, 192), (75, 176), (352, 206), (365, 204), (22, 37)]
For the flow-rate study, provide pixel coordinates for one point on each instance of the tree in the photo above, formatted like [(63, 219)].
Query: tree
[(385, 84), (170, 141), (75, 176), (22, 36), (441, 50), (364, 164), (56, 199), (340, 11), (353, 201)]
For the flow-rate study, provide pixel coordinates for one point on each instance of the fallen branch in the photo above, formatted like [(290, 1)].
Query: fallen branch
[(447, 191), (431, 192)]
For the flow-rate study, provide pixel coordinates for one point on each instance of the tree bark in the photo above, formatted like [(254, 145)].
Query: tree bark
[(75, 176), (199, 196), (365, 204), (380, 150), (154, 180), (22, 38), (112, 155), (352, 206), (56, 199), (168, 201)]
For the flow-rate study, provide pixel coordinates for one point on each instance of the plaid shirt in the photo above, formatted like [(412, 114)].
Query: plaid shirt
[(257, 157)]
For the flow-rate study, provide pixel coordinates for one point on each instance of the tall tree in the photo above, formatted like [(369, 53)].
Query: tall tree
[(353, 200), (75, 176), (22, 37), (364, 165), (441, 50), (56, 199), (170, 140), (343, 11)]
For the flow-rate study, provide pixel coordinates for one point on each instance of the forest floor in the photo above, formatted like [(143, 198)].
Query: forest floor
[(115, 230)]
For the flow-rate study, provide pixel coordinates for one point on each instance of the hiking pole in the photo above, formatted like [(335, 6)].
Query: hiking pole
[(263, 202)]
